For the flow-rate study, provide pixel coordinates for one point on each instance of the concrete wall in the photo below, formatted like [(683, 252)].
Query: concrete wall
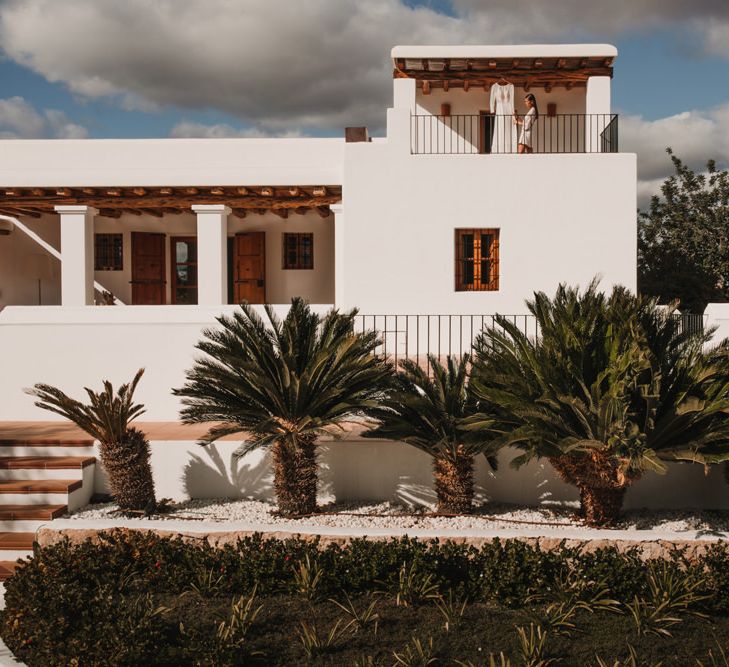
[(376, 471), (562, 218), (717, 315)]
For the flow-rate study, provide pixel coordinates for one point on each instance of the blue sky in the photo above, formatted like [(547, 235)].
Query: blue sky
[(143, 68)]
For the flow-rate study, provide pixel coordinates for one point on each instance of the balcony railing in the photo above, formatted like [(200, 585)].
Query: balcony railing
[(417, 336), (491, 134)]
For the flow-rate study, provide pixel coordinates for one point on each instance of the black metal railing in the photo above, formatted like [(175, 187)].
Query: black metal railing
[(494, 134), (417, 336)]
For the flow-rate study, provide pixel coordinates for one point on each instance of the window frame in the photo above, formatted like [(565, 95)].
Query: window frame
[(112, 239), (477, 260), (299, 264)]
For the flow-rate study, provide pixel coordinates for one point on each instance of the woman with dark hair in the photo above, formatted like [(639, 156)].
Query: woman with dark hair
[(527, 123)]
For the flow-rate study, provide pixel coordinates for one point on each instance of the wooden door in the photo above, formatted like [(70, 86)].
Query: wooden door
[(249, 267), (148, 269)]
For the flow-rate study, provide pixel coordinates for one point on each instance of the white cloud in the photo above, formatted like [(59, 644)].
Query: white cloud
[(322, 63), (694, 136), (277, 65), (188, 129), (20, 120)]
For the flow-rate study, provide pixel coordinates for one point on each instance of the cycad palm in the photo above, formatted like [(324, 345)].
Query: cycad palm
[(124, 450), (429, 413), (283, 383), (609, 389)]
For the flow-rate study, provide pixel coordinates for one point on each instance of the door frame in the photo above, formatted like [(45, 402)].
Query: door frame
[(173, 265)]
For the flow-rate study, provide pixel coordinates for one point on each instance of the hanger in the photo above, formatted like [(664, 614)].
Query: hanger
[(503, 81)]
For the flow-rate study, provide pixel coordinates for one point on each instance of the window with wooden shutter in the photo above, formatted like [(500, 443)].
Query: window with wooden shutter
[(477, 260), (108, 252), (298, 251)]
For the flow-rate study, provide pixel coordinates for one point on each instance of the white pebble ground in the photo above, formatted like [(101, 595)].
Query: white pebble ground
[(391, 515)]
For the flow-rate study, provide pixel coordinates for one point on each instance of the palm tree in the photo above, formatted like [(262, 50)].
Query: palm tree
[(284, 383), (429, 414), (124, 450), (610, 388)]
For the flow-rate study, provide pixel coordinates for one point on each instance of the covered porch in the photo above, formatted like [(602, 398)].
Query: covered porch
[(193, 245)]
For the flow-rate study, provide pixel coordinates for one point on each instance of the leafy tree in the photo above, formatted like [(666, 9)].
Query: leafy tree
[(124, 450), (610, 388), (429, 413), (683, 239), (283, 384)]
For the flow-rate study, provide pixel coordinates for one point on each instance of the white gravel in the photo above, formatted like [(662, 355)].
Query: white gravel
[(391, 515)]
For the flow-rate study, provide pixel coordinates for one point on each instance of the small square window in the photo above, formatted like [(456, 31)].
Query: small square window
[(477, 260), (298, 251), (108, 252)]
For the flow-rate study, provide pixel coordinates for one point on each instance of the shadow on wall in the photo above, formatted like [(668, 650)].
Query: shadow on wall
[(216, 475)]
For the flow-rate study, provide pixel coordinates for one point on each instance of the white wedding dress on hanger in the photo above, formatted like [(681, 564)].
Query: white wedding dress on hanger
[(502, 105)]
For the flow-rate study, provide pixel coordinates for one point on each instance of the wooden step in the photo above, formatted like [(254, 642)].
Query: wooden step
[(46, 442), (7, 569), (16, 541), (45, 462), (27, 486), (31, 512)]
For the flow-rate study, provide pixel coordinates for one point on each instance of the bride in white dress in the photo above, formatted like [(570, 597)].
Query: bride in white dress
[(527, 124), (502, 106)]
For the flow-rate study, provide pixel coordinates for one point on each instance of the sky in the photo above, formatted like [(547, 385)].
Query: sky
[(258, 68)]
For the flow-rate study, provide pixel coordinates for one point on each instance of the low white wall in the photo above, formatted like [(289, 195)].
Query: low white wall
[(373, 470), (717, 315), (73, 348)]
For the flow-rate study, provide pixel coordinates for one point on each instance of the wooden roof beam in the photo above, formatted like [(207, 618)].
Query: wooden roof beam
[(323, 211), (426, 87), (281, 212)]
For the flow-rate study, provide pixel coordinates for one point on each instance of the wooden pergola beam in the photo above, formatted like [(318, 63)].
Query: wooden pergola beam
[(158, 200)]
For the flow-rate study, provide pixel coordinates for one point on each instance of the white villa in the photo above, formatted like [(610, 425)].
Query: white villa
[(441, 216), (426, 230)]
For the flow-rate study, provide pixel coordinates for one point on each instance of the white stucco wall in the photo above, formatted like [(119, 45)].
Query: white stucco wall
[(717, 315), (23, 262), (170, 162), (377, 470), (562, 218), (76, 347)]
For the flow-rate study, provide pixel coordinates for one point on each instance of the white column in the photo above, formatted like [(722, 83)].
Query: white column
[(77, 255), (403, 94), (212, 254), (336, 209), (597, 108)]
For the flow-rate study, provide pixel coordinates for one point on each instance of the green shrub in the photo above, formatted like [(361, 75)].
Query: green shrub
[(129, 595)]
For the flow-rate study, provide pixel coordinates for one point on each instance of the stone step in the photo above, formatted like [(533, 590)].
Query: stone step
[(44, 467), (31, 486), (41, 491), (16, 545), (46, 450), (7, 568), (45, 462), (20, 512), (46, 442)]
